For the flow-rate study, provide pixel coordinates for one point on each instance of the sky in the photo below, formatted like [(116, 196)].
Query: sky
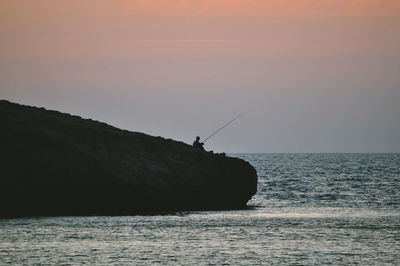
[(314, 75)]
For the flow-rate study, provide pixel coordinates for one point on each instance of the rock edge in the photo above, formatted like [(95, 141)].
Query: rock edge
[(59, 164)]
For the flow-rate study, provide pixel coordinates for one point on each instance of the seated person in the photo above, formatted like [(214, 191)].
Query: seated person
[(197, 144)]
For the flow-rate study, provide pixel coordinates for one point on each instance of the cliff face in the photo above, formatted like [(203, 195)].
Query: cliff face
[(57, 164)]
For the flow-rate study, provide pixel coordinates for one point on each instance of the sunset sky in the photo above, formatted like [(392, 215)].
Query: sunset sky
[(315, 75)]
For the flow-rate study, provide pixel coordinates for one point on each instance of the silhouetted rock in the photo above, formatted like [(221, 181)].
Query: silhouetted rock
[(58, 164)]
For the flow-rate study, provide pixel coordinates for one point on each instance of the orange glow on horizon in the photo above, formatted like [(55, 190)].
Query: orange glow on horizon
[(271, 8), (314, 64), (264, 8)]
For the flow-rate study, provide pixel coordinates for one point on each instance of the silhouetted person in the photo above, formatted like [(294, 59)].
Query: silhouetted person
[(197, 144)]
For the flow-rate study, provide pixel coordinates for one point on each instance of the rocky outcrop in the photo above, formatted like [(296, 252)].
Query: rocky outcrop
[(58, 164)]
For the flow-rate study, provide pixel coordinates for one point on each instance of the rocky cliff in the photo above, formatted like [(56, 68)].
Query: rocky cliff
[(58, 164)]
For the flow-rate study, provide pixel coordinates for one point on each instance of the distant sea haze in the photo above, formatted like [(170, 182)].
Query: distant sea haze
[(309, 209)]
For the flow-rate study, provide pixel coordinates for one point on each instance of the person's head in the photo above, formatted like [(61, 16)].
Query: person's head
[(197, 138)]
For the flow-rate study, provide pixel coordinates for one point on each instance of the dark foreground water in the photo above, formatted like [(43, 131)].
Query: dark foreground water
[(309, 209)]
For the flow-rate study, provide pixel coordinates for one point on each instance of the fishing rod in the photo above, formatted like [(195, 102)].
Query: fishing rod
[(215, 132)]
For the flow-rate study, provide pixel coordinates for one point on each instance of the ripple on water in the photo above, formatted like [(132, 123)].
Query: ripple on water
[(309, 209)]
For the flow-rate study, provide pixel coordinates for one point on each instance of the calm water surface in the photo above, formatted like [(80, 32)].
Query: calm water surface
[(309, 209)]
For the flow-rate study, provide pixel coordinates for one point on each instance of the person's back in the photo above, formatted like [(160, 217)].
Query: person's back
[(197, 144)]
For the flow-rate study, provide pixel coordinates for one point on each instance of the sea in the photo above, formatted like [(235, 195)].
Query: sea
[(310, 209)]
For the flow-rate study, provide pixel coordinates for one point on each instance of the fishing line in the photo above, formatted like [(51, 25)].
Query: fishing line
[(215, 132)]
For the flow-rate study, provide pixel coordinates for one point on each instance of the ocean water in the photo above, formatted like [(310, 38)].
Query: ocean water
[(309, 209)]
